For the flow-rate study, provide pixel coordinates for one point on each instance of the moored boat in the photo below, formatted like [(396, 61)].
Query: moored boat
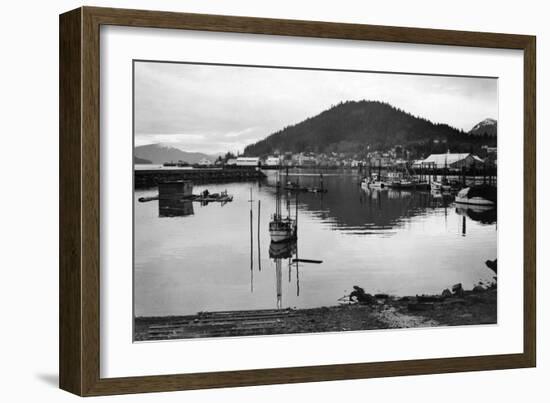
[(295, 187), (373, 183), (482, 195), (440, 186), (422, 185), (282, 229), (377, 184), (404, 184), (400, 180)]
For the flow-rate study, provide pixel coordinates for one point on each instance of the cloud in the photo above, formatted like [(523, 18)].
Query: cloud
[(217, 108)]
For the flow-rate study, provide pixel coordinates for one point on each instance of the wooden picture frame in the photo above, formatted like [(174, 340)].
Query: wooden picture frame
[(79, 348)]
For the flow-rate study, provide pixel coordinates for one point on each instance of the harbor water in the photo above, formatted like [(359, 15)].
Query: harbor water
[(190, 257)]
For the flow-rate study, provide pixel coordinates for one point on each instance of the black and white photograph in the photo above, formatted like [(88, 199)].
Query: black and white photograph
[(274, 200)]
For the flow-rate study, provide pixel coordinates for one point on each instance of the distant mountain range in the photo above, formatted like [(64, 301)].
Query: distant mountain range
[(487, 127), (141, 161), (160, 153), (358, 126)]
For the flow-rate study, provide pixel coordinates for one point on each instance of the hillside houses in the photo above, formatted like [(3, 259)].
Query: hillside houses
[(374, 159)]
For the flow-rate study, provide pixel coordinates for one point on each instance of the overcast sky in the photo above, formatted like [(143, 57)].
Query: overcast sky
[(215, 109)]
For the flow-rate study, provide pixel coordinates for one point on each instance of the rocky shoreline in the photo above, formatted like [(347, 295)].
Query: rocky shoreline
[(360, 311)]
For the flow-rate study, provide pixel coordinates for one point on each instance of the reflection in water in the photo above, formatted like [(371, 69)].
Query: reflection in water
[(175, 208), (279, 251), (397, 242), (483, 214)]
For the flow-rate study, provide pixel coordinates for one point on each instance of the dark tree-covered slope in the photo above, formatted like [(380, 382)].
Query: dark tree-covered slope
[(358, 126)]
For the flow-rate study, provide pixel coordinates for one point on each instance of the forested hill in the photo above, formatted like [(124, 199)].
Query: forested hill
[(354, 126)]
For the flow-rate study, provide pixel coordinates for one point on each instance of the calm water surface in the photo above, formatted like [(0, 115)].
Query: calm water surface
[(191, 258)]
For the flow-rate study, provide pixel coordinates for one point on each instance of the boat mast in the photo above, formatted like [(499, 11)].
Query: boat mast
[(278, 199), (259, 248)]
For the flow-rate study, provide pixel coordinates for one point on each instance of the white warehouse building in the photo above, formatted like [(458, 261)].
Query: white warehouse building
[(244, 161), (450, 160)]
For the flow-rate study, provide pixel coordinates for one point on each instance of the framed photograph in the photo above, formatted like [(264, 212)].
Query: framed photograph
[(249, 201)]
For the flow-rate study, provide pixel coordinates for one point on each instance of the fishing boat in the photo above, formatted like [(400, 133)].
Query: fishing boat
[(481, 195), (402, 183), (406, 184), (401, 179), (295, 187), (422, 185), (440, 186), (377, 184), (282, 229), (373, 182)]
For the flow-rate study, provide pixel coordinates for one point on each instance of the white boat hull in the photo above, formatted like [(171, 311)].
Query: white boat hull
[(439, 187), (475, 201), (377, 185)]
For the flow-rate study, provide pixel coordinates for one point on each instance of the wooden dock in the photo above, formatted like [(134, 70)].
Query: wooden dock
[(146, 178), (224, 323)]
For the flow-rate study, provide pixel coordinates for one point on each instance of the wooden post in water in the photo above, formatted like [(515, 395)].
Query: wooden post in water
[(297, 269), (297, 274), (259, 257), (279, 281), (251, 246), (289, 269)]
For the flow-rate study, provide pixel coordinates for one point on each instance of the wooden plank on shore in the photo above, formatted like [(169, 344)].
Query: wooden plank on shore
[(245, 312), (206, 332), (215, 324), (222, 323), (249, 315), (229, 317), (223, 333)]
